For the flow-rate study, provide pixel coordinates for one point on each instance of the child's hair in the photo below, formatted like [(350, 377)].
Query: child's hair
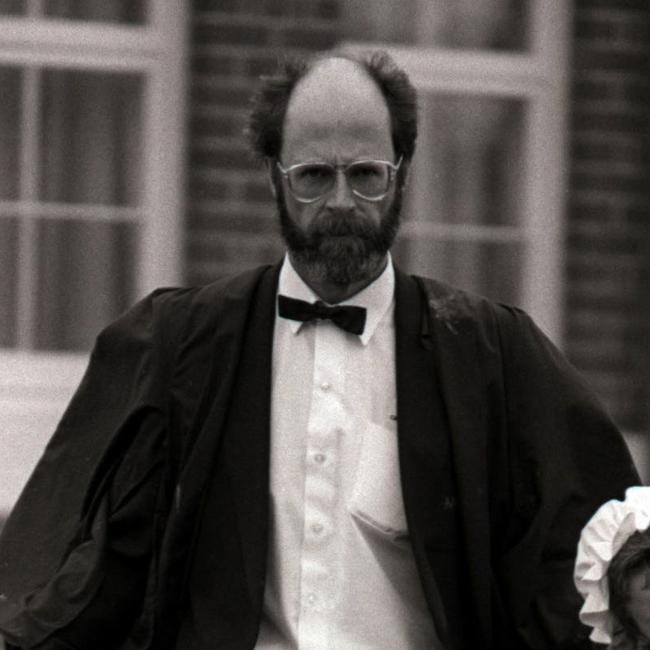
[(612, 562), (632, 559)]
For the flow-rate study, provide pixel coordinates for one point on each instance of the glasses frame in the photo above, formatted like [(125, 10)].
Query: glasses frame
[(393, 168)]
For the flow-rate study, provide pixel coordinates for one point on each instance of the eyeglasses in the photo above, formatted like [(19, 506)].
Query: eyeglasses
[(368, 179)]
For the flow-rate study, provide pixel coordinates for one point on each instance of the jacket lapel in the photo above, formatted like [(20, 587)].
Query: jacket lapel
[(246, 441), (224, 466), (423, 442), (451, 335)]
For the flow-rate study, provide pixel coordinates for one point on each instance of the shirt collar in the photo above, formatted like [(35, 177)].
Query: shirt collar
[(377, 297)]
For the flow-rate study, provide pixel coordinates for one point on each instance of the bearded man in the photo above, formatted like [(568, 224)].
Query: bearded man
[(323, 453)]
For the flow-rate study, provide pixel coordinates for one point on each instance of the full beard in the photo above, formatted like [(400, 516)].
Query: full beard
[(340, 248)]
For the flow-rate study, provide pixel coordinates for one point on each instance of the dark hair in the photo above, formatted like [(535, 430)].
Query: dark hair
[(269, 103), (631, 560)]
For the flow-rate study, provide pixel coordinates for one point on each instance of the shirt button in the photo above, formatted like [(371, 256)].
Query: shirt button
[(317, 528), (319, 458), (325, 386), (311, 599)]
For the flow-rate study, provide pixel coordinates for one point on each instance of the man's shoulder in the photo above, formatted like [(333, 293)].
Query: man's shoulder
[(172, 310), (210, 297), (450, 304), (495, 327)]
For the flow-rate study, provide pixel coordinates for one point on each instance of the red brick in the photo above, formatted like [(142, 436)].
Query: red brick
[(313, 39), (322, 9), (608, 150), (611, 60), (637, 91), (329, 9), (590, 28), (213, 63), (222, 6), (584, 120), (610, 183), (633, 6), (216, 125), (639, 214), (584, 89), (232, 223), (258, 65), (204, 218), (230, 34), (257, 191), (205, 91), (219, 157), (229, 248)]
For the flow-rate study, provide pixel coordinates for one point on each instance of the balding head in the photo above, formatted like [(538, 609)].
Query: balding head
[(270, 103), (336, 110)]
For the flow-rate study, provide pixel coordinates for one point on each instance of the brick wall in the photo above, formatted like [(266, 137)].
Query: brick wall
[(607, 297), (607, 300), (233, 42)]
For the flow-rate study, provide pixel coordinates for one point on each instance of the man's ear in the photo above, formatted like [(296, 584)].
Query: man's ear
[(271, 175), (405, 168)]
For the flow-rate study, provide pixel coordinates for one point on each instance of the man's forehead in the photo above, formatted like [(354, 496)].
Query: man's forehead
[(337, 83)]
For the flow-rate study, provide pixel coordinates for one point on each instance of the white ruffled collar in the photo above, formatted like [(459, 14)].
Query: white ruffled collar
[(603, 536)]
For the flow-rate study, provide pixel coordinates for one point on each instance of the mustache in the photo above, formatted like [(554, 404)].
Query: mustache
[(342, 224)]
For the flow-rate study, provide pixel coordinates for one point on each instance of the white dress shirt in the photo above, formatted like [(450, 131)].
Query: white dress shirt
[(341, 572)]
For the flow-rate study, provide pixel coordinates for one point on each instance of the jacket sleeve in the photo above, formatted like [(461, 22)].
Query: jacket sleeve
[(74, 551), (566, 458)]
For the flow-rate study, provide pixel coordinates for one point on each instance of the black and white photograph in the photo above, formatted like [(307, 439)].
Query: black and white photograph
[(324, 325)]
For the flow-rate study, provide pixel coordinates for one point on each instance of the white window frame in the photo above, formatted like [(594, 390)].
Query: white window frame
[(539, 77), (35, 386)]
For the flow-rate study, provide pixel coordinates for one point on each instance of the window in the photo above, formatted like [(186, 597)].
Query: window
[(91, 128), (484, 206)]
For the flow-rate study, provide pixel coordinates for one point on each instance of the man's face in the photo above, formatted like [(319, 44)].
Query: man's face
[(337, 115)]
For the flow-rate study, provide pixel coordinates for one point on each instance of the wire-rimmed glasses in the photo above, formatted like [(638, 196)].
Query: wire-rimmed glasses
[(368, 179)]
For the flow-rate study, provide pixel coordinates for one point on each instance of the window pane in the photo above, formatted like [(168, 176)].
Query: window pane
[(469, 161), (91, 137), (86, 277), (10, 92), (109, 11), (490, 269), (8, 273), (12, 7), (472, 24)]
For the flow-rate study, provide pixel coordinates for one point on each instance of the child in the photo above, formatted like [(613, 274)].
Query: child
[(612, 572)]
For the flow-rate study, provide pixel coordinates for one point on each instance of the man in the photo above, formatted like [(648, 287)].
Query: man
[(325, 453)]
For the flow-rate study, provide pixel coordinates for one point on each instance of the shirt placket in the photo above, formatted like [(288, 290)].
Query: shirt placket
[(320, 580)]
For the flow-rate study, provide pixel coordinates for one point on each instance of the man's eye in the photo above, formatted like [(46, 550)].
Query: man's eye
[(365, 171), (314, 173)]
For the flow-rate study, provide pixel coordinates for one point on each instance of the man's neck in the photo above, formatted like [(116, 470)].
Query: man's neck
[(333, 293)]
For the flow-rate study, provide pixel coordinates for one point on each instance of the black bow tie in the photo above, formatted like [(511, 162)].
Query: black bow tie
[(349, 318)]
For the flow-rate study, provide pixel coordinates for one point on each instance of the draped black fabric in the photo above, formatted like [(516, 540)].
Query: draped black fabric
[(159, 469)]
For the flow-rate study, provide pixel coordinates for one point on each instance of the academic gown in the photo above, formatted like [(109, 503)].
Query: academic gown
[(145, 523)]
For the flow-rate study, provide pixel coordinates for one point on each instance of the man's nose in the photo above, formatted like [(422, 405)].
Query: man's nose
[(341, 195)]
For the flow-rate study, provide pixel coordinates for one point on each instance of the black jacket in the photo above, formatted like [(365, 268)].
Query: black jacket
[(504, 455)]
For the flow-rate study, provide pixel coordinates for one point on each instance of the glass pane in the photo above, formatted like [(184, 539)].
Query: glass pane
[(8, 273), (12, 7), (86, 274), (106, 11), (91, 142), (470, 24), (469, 161), (10, 91), (490, 269)]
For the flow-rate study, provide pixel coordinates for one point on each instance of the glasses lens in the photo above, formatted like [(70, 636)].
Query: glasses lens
[(312, 181), (369, 178)]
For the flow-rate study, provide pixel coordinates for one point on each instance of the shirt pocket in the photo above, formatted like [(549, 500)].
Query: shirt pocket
[(376, 502)]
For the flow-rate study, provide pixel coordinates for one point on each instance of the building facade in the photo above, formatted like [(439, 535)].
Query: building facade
[(125, 166)]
